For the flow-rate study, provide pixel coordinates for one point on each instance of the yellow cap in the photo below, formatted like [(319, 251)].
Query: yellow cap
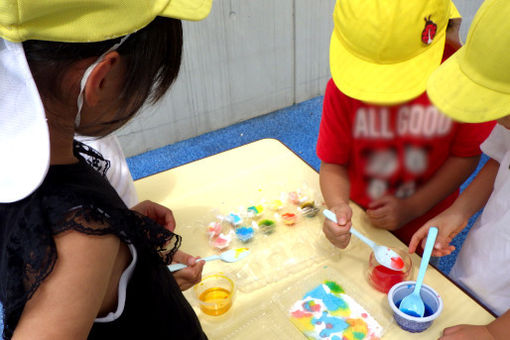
[(473, 85), (89, 20), (384, 51)]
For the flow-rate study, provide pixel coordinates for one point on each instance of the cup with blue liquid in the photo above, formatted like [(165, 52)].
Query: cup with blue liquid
[(414, 324)]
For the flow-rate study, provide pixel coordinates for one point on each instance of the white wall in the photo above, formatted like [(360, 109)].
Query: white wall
[(248, 58), (467, 9)]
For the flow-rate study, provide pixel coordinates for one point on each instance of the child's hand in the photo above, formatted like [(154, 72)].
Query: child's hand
[(388, 213), (339, 234), (157, 212), (191, 275), (466, 332), (449, 225)]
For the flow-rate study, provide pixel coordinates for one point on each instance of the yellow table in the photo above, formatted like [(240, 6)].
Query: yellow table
[(198, 191)]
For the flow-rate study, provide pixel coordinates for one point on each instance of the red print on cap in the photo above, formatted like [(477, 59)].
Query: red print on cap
[(429, 32)]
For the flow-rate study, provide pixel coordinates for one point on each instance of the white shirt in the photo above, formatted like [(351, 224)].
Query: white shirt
[(483, 264), (118, 175)]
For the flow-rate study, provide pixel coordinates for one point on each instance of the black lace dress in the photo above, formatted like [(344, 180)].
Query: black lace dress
[(155, 307)]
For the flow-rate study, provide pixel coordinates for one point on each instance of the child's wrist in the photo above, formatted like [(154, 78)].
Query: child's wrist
[(412, 208), (459, 211), (337, 203)]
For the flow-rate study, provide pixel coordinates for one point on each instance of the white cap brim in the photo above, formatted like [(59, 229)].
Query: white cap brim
[(24, 136)]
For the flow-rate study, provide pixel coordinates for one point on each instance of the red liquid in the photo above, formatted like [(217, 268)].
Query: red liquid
[(383, 278), (397, 263)]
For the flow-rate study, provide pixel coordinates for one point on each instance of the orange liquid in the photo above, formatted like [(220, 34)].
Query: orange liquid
[(217, 301)]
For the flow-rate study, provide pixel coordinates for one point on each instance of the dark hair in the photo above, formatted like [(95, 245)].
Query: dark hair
[(152, 56)]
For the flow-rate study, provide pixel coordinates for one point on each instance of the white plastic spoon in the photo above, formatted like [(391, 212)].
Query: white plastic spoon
[(232, 255), (413, 304), (384, 255)]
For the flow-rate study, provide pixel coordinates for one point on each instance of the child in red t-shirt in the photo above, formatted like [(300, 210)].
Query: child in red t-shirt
[(381, 142)]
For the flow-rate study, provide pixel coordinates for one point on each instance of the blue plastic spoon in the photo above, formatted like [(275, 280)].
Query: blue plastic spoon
[(413, 304), (384, 255)]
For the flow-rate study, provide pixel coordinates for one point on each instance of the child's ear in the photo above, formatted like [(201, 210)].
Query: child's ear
[(94, 89)]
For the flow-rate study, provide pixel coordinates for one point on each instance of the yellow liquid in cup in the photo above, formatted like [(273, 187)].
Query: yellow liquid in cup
[(217, 301)]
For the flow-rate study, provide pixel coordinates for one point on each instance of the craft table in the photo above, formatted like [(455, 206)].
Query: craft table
[(261, 170)]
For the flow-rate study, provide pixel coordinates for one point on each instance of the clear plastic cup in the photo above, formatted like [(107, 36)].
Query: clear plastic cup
[(215, 294), (382, 278)]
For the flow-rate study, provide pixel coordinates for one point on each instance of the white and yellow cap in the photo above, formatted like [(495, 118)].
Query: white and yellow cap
[(473, 85), (384, 51), (24, 137)]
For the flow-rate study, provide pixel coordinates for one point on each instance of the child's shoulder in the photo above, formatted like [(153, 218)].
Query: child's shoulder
[(334, 94)]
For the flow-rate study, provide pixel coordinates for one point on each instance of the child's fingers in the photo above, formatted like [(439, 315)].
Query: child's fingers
[(379, 212), (336, 230), (452, 329), (445, 251), (417, 238), (343, 215), (374, 214), (374, 205), (339, 236), (379, 202), (170, 221), (441, 248)]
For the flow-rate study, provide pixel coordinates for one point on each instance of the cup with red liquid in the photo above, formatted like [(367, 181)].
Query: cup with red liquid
[(383, 278)]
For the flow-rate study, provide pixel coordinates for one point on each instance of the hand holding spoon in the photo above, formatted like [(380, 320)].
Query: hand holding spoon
[(232, 255), (383, 255)]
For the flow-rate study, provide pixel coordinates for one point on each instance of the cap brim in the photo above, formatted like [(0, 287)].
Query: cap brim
[(383, 83), (24, 137), (459, 97), (187, 9)]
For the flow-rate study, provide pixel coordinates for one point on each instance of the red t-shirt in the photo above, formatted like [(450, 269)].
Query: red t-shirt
[(393, 149)]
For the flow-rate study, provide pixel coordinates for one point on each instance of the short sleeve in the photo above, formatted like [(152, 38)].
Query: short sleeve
[(468, 138), (334, 143), (497, 144)]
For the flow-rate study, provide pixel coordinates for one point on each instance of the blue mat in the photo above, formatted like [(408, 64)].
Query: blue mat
[(296, 126)]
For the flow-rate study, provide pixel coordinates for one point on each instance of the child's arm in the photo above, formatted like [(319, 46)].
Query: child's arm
[(334, 182), (498, 329), (391, 213), (451, 221), (70, 298), (189, 276)]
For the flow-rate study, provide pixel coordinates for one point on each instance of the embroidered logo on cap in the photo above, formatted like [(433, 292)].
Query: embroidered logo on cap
[(429, 32)]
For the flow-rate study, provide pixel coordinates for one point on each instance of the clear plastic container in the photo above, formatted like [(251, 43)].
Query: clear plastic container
[(382, 278), (286, 300), (215, 294)]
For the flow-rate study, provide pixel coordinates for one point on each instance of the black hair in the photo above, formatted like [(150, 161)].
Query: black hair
[(152, 56)]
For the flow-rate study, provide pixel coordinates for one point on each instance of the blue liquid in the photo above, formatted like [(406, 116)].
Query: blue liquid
[(428, 310)]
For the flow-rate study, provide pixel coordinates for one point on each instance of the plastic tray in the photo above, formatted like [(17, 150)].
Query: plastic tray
[(285, 299), (288, 250), (291, 250)]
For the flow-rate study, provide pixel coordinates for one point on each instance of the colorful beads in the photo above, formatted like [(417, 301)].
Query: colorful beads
[(289, 219), (245, 234), (267, 226)]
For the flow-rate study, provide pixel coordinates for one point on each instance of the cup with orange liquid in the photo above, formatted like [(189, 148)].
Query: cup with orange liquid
[(215, 294)]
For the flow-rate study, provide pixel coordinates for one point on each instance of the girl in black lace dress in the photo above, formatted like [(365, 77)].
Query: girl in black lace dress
[(75, 262)]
